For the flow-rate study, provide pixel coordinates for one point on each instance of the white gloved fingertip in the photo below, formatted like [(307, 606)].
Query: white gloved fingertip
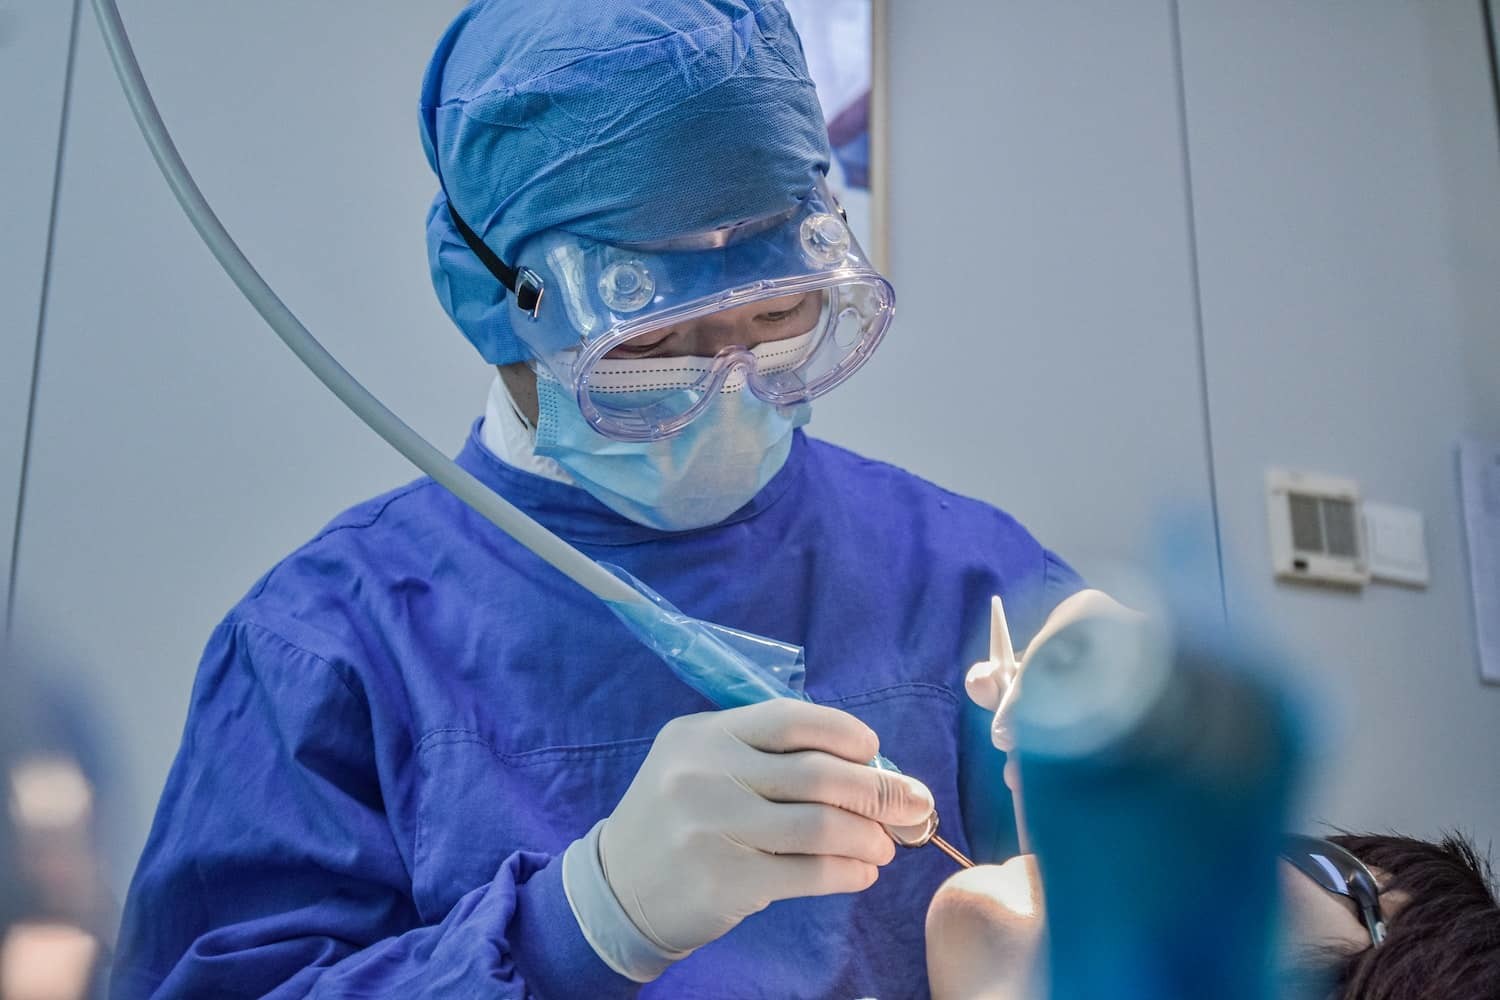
[(983, 684), (921, 793)]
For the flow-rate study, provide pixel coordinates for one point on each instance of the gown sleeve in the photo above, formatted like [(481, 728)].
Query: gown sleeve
[(273, 867)]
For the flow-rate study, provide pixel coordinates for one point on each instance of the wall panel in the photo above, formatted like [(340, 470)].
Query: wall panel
[(1338, 322)]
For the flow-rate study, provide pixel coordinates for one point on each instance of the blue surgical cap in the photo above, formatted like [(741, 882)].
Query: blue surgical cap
[(616, 121)]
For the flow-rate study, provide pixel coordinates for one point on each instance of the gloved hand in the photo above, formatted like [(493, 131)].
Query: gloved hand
[(733, 810), (995, 683)]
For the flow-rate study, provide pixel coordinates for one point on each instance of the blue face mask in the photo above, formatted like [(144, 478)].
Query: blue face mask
[(698, 477)]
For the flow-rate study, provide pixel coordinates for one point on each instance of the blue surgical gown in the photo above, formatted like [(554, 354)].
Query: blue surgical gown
[(394, 736)]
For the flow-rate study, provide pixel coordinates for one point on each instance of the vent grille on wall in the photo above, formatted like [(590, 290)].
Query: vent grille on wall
[(1317, 532)]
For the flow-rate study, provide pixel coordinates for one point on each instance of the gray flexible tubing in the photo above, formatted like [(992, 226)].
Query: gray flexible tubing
[(493, 508)]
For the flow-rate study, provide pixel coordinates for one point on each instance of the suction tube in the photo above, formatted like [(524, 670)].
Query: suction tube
[(559, 554)]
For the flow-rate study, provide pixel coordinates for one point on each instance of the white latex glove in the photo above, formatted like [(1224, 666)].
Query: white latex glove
[(995, 683), (733, 810), (985, 932)]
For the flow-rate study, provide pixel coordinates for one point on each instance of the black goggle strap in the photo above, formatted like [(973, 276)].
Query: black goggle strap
[(522, 282), (525, 284)]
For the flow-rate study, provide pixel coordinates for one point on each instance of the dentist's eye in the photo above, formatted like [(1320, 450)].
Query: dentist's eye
[(641, 346), (782, 315)]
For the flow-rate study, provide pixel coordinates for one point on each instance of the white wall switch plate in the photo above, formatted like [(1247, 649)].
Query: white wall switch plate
[(1398, 544)]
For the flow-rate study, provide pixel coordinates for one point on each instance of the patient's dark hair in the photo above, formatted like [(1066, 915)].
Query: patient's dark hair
[(1445, 941)]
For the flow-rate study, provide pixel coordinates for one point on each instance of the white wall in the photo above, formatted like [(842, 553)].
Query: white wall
[(1045, 341), (1466, 135), (1348, 282), (1046, 355), (178, 448)]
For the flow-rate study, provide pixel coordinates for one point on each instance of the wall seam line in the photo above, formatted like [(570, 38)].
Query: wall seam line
[(1487, 11), (41, 319), (1195, 276)]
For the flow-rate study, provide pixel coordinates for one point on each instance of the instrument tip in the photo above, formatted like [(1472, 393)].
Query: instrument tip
[(951, 851)]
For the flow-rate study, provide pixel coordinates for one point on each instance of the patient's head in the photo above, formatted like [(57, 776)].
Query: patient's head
[(1442, 924)]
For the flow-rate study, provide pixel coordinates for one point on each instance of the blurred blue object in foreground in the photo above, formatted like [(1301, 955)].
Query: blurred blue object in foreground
[(1159, 764)]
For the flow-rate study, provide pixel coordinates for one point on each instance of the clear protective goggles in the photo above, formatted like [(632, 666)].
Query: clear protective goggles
[(648, 335)]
